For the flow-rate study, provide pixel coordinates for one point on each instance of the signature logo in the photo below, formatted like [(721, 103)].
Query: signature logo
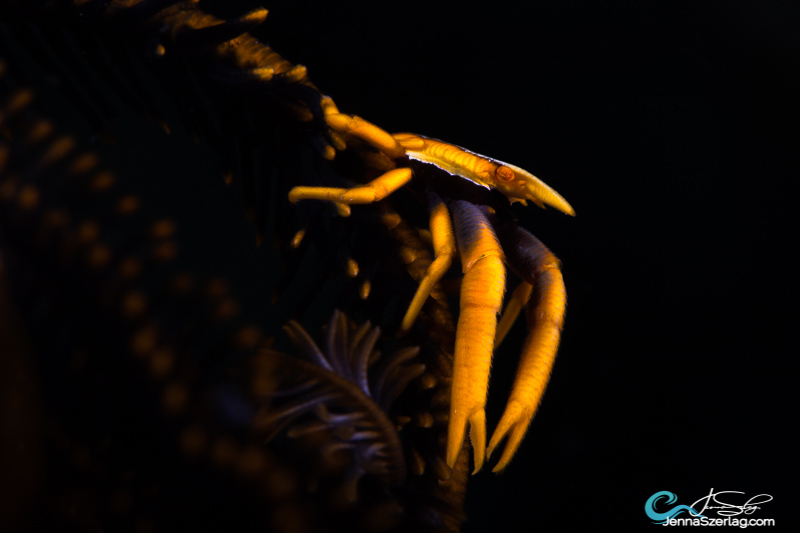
[(715, 501), (661, 517), (725, 503)]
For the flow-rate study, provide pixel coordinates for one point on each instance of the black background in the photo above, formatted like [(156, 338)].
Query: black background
[(672, 130)]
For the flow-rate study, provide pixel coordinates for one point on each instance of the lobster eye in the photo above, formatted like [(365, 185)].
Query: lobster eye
[(504, 174)]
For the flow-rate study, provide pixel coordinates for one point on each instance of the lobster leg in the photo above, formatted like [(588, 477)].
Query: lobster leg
[(372, 192), (444, 245), (344, 127), (546, 308), (518, 299), (481, 300), (364, 130)]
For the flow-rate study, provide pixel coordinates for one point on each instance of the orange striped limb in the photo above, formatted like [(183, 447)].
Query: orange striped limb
[(545, 315), (444, 246), (366, 131), (374, 191), (482, 291), (517, 184), (518, 299)]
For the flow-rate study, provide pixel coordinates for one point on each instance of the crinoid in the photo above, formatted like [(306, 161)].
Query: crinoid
[(141, 293), (338, 398), (134, 353), (144, 286)]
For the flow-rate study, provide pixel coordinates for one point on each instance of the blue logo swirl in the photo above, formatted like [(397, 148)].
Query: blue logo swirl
[(660, 518)]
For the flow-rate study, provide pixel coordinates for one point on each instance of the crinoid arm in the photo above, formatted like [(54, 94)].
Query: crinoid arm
[(343, 393)]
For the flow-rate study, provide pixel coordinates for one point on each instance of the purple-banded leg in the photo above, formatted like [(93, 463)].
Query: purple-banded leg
[(546, 308), (482, 291)]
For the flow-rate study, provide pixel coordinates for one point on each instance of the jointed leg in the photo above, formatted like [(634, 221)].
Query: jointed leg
[(378, 189), (518, 299), (481, 300), (374, 191), (366, 131), (444, 246), (545, 312)]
